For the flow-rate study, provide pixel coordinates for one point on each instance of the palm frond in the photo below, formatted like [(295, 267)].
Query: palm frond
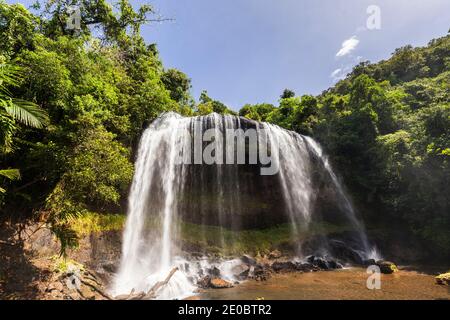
[(23, 111), (10, 76), (27, 113), (11, 174)]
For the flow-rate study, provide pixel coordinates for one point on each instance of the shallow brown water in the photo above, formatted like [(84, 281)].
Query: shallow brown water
[(335, 285)]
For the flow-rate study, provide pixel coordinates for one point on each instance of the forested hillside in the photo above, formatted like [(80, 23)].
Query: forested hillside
[(386, 127), (73, 106)]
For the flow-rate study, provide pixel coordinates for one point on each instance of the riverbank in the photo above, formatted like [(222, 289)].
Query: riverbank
[(345, 284), (31, 268)]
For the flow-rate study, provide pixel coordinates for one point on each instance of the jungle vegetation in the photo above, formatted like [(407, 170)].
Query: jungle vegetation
[(73, 106)]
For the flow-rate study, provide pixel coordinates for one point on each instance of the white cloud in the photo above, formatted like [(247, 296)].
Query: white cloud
[(335, 73), (339, 74), (348, 46), (342, 72)]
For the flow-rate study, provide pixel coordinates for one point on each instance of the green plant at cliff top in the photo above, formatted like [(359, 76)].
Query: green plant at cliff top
[(63, 264), (91, 222)]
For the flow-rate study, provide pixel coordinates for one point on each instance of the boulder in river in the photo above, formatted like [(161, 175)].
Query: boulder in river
[(306, 267), (332, 264), (369, 262), (260, 272), (323, 263), (343, 252), (387, 267), (218, 283), (287, 266), (215, 283), (241, 271), (318, 262), (214, 272), (204, 282)]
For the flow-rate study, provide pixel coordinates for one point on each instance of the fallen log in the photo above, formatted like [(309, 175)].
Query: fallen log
[(130, 296), (151, 294)]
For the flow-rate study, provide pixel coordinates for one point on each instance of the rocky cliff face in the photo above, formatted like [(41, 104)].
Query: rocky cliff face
[(238, 197), (31, 268)]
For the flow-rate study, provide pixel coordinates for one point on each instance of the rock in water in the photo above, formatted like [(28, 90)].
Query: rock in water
[(283, 266), (369, 262), (321, 263), (214, 272), (343, 252), (334, 264), (443, 279), (318, 262), (260, 273), (218, 283), (204, 282), (387, 267), (241, 271), (215, 283), (306, 267)]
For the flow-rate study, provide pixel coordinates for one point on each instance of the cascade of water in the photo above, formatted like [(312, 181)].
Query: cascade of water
[(167, 193), (368, 252), (295, 173), (147, 251)]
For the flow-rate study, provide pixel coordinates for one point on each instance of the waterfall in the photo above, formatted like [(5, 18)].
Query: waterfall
[(175, 187), (368, 252)]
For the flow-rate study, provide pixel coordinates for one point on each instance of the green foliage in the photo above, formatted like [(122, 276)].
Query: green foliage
[(178, 84), (100, 86), (91, 222), (293, 113), (10, 174), (204, 109), (65, 265), (258, 112), (98, 169), (287, 93), (208, 105), (386, 126), (17, 28), (14, 111)]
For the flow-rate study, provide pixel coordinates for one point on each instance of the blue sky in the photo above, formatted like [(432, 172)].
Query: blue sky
[(248, 51)]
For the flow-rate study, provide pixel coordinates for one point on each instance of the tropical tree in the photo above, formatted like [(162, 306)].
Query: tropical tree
[(13, 112)]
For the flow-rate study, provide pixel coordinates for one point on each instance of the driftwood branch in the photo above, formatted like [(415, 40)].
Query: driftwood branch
[(130, 296), (151, 294)]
